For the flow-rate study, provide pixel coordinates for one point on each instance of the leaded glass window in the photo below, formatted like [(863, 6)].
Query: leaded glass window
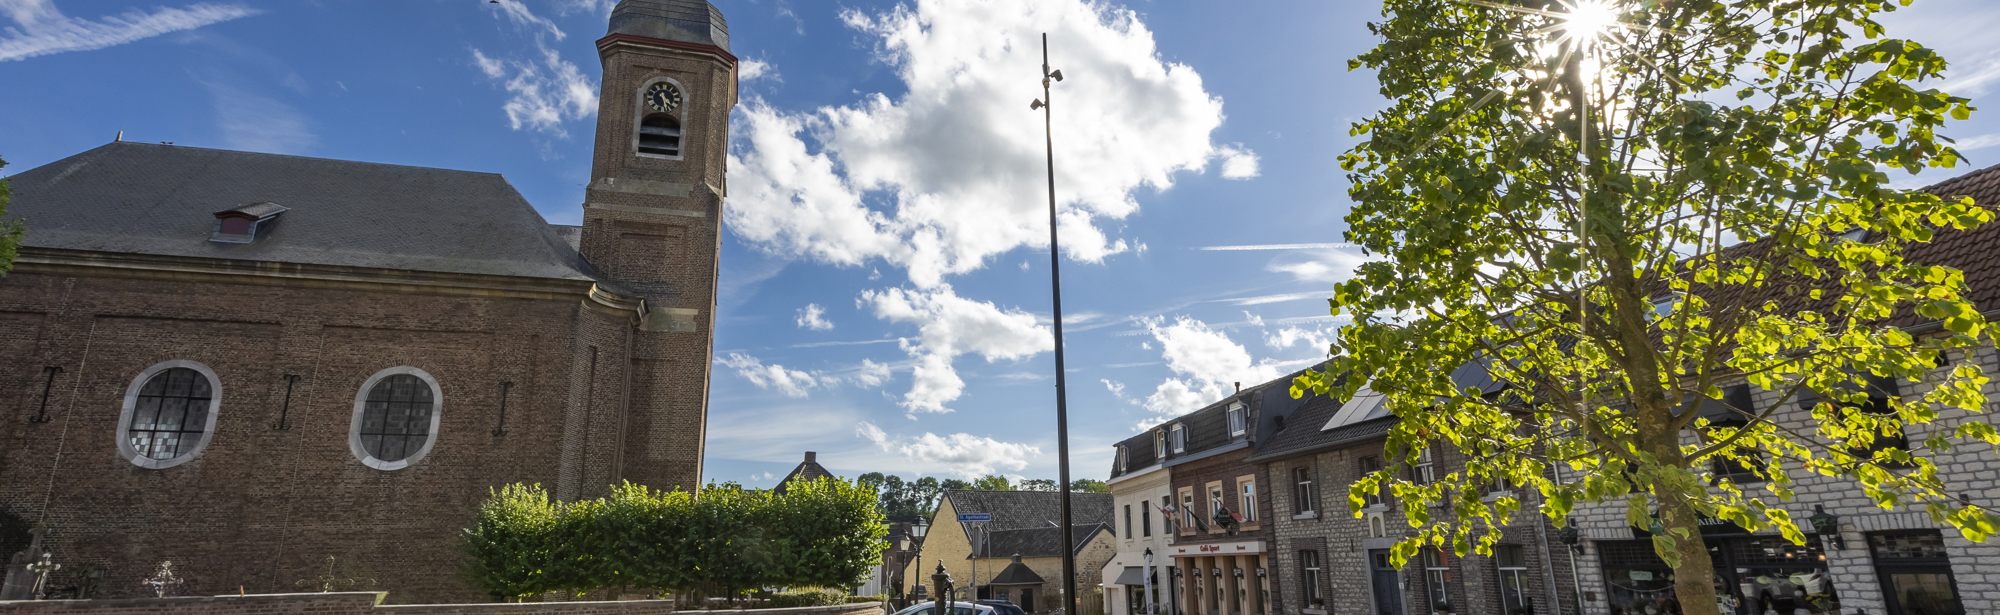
[(170, 414), (396, 418)]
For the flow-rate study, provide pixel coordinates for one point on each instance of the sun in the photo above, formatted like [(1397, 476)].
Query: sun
[(1587, 20)]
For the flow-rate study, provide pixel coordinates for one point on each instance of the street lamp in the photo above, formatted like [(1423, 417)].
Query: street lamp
[(1828, 528), (1055, 284)]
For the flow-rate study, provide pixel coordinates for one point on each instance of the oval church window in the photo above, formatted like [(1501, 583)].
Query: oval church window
[(169, 414), (395, 418)]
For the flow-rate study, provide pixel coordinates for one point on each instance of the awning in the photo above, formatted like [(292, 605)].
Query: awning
[(1133, 575)]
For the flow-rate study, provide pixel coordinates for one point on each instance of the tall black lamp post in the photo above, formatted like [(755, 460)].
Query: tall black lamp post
[(1055, 283)]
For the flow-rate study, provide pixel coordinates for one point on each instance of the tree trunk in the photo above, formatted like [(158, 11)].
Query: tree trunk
[(1694, 579)]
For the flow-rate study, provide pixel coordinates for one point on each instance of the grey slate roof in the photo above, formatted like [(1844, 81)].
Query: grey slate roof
[(1013, 510), (687, 21), (806, 471), (1038, 541), (1016, 573), (161, 199)]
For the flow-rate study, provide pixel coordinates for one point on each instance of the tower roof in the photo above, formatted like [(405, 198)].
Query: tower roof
[(687, 21)]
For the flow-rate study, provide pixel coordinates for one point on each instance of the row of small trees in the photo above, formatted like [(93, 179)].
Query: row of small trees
[(825, 532)]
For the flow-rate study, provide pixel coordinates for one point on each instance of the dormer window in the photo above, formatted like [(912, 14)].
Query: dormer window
[(660, 135), (1236, 422), (1664, 305), (244, 224), (1159, 444)]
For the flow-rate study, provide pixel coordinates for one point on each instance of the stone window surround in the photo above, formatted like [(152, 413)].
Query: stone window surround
[(1215, 503), (640, 111), (131, 404), (361, 406)]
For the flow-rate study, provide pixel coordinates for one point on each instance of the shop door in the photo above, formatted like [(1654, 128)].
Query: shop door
[(1388, 593), (1915, 573)]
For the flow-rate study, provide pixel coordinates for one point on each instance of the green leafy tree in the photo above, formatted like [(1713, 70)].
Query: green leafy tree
[(992, 482), (1037, 484), (11, 231), (1555, 198), (951, 484), (1089, 485), (828, 533), (509, 542)]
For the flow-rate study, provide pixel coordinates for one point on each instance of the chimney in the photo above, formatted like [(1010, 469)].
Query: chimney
[(809, 456), (1239, 387)]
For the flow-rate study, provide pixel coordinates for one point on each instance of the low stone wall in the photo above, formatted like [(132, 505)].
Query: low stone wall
[(370, 603)]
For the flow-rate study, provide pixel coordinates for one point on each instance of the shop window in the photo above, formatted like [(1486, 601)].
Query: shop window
[(1915, 573)]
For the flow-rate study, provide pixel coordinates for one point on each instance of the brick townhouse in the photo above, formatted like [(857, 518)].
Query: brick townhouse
[(251, 363), (1876, 561), (1335, 562), (1219, 527)]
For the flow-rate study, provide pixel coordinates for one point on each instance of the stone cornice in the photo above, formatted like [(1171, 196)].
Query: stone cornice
[(83, 263)]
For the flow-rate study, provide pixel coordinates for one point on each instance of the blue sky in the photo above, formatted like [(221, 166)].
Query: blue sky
[(885, 294)]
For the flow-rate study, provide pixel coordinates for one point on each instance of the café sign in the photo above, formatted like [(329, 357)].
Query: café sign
[(1216, 549)]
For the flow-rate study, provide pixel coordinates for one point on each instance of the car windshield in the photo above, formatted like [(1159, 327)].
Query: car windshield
[(927, 609)]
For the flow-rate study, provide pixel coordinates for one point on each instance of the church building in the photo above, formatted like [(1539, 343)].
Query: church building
[(288, 374)]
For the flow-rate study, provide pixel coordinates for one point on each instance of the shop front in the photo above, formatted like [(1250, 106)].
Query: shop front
[(1754, 575), (1223, 578)]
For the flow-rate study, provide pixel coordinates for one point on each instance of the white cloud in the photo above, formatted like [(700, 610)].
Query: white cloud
[(1237, 162), (42, 30), (871, 373), (518, 13), (812, 316), (600, 7), (945, 176), (1331, 264), (791, 382), (255, 123), (751, 70), (1291, 336), (546, 89), (963, 454), (1207, 362), (1979, 142), (949, 326)]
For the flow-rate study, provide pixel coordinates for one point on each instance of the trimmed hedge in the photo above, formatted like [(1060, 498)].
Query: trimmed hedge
[(806, 597), (823, 533)]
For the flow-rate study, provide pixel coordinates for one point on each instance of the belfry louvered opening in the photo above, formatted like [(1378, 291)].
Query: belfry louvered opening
[(660, 134)]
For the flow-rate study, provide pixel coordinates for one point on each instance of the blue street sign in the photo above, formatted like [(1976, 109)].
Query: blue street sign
[(970, 517)]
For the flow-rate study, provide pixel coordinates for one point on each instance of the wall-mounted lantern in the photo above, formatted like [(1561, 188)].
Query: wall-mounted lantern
[(1828, 528)]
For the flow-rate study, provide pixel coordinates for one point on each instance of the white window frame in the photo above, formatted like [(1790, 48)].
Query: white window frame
[(1437, 577), (1121, 458), (1178, 436), (1518, 571), (1187, 510), (1424, 472), (1302, 482), (1246, 498), (1309, 560), (1237, 424), (1160, 444), (361, 406), (123, 433)]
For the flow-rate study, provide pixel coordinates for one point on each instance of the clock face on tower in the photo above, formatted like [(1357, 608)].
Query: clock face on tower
[(663, 97)]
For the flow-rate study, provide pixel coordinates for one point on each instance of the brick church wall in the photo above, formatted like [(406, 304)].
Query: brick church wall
[(260, 507)]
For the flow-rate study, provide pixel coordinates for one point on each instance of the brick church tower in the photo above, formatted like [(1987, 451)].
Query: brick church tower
[(652, 217)]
